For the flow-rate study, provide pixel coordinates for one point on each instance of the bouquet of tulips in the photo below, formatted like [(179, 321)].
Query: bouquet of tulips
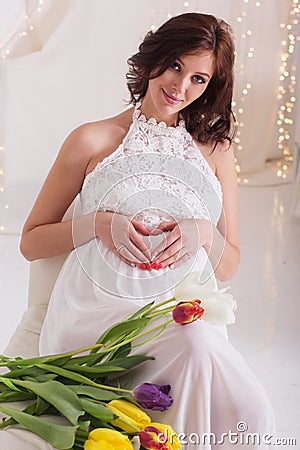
[(73, 400)]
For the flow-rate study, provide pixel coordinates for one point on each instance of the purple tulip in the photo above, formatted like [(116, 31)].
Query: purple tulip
[(153, 396)]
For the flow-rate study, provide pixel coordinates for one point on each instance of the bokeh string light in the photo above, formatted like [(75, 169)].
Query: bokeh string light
[(9, 45), (22, 30), (287, 90), (245, 55), (286, 97)]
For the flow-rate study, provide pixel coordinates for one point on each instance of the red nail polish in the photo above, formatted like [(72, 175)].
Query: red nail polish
[(153, 265), (142, 266), (159, 266), (148, 266)]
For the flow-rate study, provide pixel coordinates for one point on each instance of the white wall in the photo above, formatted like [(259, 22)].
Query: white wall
[(72, 70)]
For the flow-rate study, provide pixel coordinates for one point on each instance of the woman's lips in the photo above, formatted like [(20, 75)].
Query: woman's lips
[(170, 99)]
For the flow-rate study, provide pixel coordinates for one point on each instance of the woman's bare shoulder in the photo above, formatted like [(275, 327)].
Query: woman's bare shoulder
[(225, 160), (98, 133), (85, 145), (90, 142), (220, 158)]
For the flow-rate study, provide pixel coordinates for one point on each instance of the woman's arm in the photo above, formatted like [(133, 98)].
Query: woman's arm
[(44, 234), (223, 247)]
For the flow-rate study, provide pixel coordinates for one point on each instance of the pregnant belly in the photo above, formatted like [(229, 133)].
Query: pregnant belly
[(109, 275)]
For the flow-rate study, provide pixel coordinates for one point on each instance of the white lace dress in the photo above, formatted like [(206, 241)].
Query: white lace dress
[(157, 173)]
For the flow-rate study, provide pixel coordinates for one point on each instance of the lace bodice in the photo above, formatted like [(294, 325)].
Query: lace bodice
[(157, 173)]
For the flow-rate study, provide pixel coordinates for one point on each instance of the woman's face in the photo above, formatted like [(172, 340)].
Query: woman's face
[(178, 86)]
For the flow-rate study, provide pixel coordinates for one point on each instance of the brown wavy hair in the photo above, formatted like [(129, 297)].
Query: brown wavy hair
[(209, 118)]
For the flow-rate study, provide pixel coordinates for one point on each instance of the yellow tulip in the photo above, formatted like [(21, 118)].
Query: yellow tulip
[(128, 412), (172, 441), (106, 439)]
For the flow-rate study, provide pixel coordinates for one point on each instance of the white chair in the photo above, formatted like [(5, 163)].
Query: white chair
[(42, 276), (25, 340)]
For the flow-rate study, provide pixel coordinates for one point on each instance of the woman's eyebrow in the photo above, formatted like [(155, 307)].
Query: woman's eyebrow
[(198, 73)]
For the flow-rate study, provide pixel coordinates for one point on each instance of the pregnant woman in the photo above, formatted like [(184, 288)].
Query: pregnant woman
[(157, 200)]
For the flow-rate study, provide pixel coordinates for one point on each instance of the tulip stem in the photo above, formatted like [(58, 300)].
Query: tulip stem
[(114, 347), (5, 361), (157, 334), (82, 434), (127, 341), (127, 423), (158, 305), (161, 311)]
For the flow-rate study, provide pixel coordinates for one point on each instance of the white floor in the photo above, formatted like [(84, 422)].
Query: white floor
[(266, 287)]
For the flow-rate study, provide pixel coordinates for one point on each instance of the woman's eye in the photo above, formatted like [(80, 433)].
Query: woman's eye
[(175, 66), (199, 79)]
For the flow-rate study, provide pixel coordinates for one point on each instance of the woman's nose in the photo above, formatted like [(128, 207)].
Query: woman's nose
[(181, 84)]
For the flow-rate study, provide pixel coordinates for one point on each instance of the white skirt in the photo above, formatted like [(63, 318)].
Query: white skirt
[(218, 401)]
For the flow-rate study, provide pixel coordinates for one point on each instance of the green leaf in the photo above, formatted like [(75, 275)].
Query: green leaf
[(46, 377), (9, 384), (94, 392), (97, 410), (14, 396), (58, 395), (68, 374), (30, 371), (121, 329), (131, 361), (97, 370), (96, 423), (141, 311), (84, 425), (120, 352), (60, 437), (31, 362), (7, 423), (61, 361), (84, 359), (41, 406), (15, 362), (29, 409), (110, 368)]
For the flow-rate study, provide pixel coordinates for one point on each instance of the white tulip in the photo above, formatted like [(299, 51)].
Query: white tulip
[(191, 288), (218, 308)]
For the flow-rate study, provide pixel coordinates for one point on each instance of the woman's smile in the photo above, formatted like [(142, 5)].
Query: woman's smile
[(171, 99)]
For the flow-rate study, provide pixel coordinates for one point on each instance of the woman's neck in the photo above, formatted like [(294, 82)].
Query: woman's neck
[(149, 110)]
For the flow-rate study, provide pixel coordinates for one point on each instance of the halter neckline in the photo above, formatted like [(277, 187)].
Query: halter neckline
[(158, 127)]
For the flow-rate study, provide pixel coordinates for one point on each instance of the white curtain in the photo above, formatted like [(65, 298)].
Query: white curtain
[(70, 68)]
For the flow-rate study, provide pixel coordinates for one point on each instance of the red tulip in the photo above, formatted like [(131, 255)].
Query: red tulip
[(153, 439), (187, 312)]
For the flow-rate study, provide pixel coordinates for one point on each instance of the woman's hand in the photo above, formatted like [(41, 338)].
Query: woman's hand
[(186, 237), (122, 236)]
